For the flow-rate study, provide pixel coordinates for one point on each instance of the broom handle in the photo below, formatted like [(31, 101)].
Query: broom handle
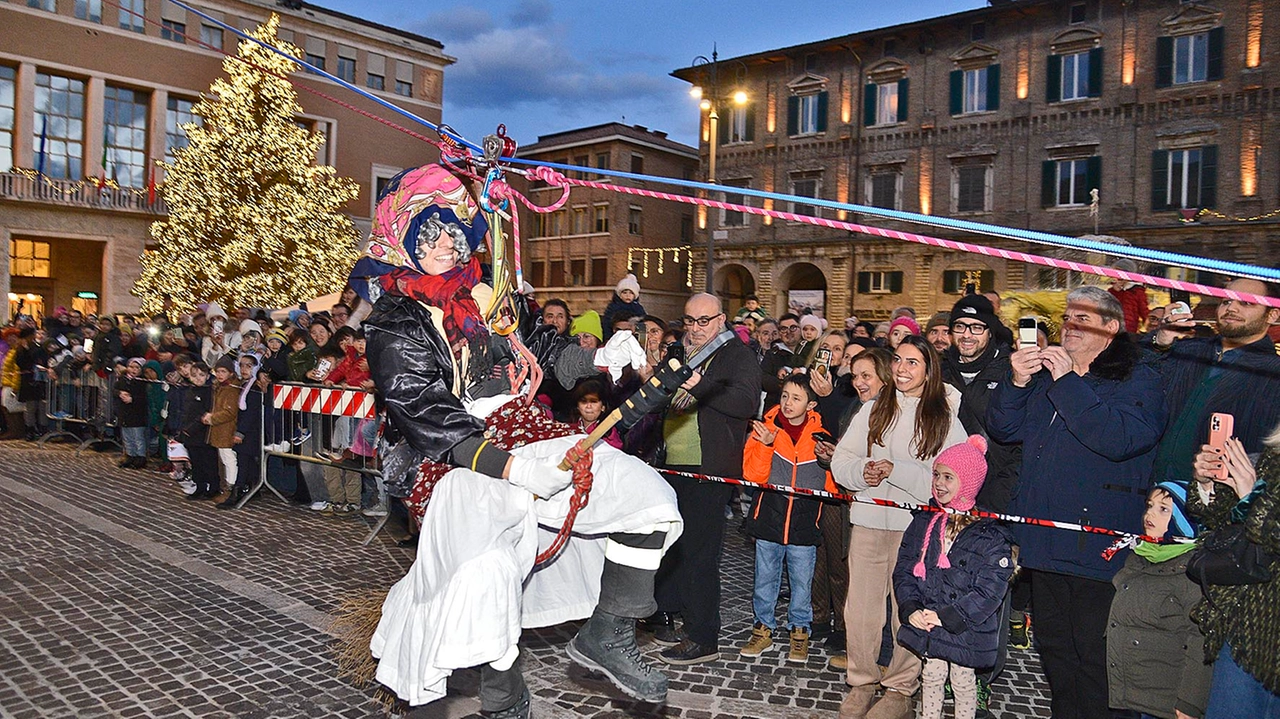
[(609, 422)]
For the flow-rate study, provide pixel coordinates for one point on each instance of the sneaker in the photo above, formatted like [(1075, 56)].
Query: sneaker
[(838, 663), (760, 641), (302, 436), (984, 698), (188, 487), (377, 510), (689, 652), (799, 652), (319, 506), (819, 630), (1020, 630)]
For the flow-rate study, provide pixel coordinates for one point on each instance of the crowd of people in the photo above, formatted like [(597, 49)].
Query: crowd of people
[(1107, 425)]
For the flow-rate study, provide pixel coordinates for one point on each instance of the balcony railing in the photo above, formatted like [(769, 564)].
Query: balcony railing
[(30, 187)]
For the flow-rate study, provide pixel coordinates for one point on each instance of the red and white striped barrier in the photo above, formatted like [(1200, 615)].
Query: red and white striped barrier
[(335, 401)]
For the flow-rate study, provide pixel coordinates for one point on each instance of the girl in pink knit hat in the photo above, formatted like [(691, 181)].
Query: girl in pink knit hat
[(951, 577)]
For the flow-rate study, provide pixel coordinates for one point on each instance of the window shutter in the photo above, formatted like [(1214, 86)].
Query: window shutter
[(1217, 39), (1209, 176), (793, 115), (1053, 86), (1048, 183), (723, 125), (1164, 61), (1093, 175), (902, 100), (1095, 72), (870, 95), (957, 92), (1160, 180), (895, 282), (750, 134), (864, 282), (822, 111), (993, 87)]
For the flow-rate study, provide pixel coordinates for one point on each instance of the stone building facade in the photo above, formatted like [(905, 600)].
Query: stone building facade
[(579, 252), (102, 89), (1009, 115)]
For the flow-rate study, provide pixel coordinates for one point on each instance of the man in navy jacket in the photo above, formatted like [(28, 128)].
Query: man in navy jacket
[(1089, 415)]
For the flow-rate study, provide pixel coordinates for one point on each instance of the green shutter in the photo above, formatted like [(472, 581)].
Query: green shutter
[(1048, 183), (1093, 175), (822, 111), (895, 282), (902, 100), (750, 135), (864, 282), (793, 115), (1159, 180), (1164, 61), (993, 87), (1209, 176), (1217, 40), (1053, 85), (1095, 72), (957, 92), (723, 125), (870, 94)]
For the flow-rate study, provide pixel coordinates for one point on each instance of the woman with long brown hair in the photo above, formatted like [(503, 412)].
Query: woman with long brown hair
[(888, 453)]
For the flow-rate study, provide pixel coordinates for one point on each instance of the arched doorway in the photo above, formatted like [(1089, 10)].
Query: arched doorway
[(732, 285), (801, 286)]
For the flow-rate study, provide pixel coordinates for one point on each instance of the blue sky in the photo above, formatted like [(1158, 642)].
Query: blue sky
[(542, 67)]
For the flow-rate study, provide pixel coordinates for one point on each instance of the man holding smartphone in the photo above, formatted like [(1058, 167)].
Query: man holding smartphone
[(1236, 372)]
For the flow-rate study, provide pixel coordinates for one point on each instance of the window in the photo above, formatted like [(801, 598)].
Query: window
[(1189, 58), (734, 218), (1074, 76), (890, 47), (375, 82), (556, 277), (582, 161), (90, 10), (971, 188), (211, 36), (58, 127), (316, 61), (602, 163), (1078, 13), (404, 88), (538, 273), (46, 5), (347, 66), (955, 282), (805, 186), (1184, 178), (124, 144), (885, 103), (7, 79), (635, 221), (28, 258), (807, 114), (132, 13), (975, 90), (577, 272), (882, 191), (178, 113), (880, 282), (1066, 183), (175, 31), (978, 31), (404, 78), (552, 224), (599, 270), (637, 164), (739, 126), (601, 218), (579, 226), (686, 228)]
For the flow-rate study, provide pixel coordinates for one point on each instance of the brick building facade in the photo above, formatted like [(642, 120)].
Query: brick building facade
[(102, 87), (1010, 115), (579, 252)]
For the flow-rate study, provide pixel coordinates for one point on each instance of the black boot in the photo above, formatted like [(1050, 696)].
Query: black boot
[(607, 644), (503, 694), (519, 710), (233, 497)]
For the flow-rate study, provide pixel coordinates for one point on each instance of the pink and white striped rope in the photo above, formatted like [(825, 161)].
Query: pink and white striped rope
[(935, 242)]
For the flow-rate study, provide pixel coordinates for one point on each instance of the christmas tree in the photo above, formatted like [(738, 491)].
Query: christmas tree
[(253, 220)]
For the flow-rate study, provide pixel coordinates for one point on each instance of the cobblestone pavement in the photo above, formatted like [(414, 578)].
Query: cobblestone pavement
[(118, 598)]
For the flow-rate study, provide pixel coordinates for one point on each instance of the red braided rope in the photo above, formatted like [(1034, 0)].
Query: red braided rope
[(580, 457)]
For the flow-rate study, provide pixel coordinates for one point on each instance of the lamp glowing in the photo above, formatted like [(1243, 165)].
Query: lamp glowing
[(739, 98)]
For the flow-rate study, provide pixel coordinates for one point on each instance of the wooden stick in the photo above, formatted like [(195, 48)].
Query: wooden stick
[(612, 419)]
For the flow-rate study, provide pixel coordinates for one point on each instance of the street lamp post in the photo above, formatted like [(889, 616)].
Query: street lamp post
[(710, 103)]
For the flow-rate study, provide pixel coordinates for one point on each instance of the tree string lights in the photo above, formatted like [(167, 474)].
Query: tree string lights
[(661, 253), (253, 221)]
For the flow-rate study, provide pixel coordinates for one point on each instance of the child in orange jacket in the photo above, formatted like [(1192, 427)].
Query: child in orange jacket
[(783, 450)]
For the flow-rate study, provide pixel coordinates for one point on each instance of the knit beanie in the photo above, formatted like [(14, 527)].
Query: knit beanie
[(969, 463), (589, 323), (939, 319), (813, 320), (250, 326), (907, 322), (227, 362), (976, 307), (628, 283), (1179, 524), (275, 333)]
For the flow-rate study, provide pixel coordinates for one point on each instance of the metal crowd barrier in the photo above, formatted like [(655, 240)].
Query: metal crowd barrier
[(77, 395), (332, 432)]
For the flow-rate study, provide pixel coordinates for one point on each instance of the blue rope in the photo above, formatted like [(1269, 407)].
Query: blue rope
[(332, 78)]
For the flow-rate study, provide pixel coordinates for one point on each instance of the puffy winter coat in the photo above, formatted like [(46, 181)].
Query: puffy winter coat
[(1134, 301), (226, 407), (1003, 460), (775, 516), (1088, 443), (134, 412), (967, 597)]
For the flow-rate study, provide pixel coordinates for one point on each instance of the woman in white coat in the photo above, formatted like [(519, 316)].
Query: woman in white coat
[(888, 453)]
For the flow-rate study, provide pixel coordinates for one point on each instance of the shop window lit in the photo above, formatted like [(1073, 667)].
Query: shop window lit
[(28, 258)]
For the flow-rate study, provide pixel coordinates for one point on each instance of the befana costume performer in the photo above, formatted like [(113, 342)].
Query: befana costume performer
[(465, 448)]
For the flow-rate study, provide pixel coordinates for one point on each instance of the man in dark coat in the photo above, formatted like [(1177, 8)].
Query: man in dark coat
[(1089, 415), (705, 431), (1236, 372)]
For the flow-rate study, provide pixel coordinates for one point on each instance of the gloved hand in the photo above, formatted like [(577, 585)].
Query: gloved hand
[(621, 350), (538, 478)]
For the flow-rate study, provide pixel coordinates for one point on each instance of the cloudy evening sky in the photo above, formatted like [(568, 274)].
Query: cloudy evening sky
[(542, 67)]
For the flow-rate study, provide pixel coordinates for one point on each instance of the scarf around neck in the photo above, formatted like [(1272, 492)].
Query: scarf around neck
[(1157, 553), (451, 293)]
